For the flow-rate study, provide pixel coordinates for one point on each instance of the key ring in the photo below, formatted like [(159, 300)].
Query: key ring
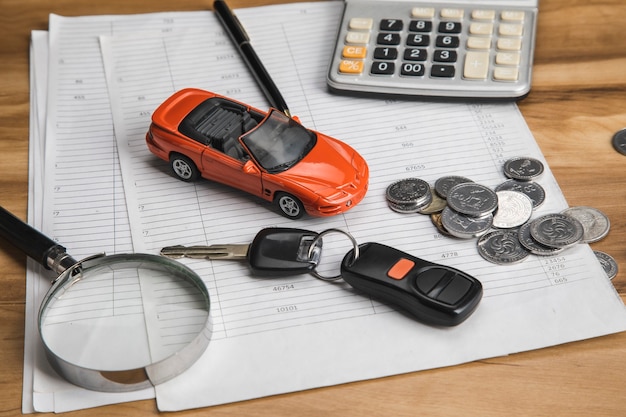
[(319, 238)]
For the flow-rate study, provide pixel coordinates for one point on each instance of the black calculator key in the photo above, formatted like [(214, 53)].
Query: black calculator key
[(412, 69), (388, 39), (418, 40), (434, 294), (442, 71), (383, 68), (415, 54), (420, 26), (385, 53), (450, 27), (447, 41), (445, 56), (394, 25)]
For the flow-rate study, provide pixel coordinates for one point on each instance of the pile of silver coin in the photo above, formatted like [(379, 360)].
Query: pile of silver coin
[(500, 219)]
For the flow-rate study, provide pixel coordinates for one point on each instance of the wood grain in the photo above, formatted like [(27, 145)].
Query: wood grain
[(577, 103)]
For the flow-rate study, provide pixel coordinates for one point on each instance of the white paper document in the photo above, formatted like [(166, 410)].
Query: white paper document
[(104, 191), (282, 335)]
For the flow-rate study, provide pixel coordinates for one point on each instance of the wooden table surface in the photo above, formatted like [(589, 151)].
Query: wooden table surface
[(577, 102)]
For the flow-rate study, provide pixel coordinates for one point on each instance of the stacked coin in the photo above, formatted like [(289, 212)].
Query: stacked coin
[(501, 218)]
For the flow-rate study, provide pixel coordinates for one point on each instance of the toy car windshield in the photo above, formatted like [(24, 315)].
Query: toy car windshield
[(279, 142)]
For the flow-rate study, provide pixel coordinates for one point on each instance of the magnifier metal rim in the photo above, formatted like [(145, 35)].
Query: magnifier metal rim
[(155, 373)]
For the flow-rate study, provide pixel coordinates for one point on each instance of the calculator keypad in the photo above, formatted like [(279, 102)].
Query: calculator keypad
[(465, 51)]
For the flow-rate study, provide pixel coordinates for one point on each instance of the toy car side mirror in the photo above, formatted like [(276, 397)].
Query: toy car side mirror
[(250, 168)]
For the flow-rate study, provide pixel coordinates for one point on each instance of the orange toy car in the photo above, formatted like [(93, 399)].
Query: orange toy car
[(269, 155)]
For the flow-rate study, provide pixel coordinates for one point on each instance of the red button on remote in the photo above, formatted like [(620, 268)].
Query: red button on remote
[(401, 268)]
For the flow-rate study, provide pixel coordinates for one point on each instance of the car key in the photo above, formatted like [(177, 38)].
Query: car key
[(434, 294), (274, 251)]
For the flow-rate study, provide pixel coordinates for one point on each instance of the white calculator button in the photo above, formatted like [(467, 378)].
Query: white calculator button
[(483, 14), (508, 58), (476, 65), (361, 23), (474, 42), (360, 38), (505, 73), (512, 15), (423, 12), (511, 29), (480, 28), (509, 44), (452, 13)]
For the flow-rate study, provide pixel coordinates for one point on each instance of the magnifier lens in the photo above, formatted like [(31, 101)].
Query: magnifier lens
[(124, 312)]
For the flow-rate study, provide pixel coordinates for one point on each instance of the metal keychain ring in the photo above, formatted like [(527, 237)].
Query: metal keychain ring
[(319, 238)]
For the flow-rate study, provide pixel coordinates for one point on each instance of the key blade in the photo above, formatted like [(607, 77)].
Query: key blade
[(206, 252)]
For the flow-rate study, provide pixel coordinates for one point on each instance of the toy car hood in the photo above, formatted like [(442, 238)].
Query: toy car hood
[(326, 176)]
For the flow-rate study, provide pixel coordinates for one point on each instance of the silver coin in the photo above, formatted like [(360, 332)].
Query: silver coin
[(465, 227), (619, 141), (409, 191), (596, 224), (523, 168), (608, 263), (534, 247), (406, 208), (534, 191), (556, 230), (403, 208), (502, 247), (514, 209), (444, 184), (436, 205), (472, 199)]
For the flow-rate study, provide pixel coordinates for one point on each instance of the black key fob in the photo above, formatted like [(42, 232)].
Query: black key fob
[(281, 251), (434, 294)]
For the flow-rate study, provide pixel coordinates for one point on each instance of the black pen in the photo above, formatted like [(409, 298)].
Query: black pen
[(239, 36)]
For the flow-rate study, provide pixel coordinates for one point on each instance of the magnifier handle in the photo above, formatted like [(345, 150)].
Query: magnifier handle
[(34, 243)]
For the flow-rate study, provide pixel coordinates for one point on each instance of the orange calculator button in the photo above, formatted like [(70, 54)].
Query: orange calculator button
[(348, 66), (355, 52), (401, 268)]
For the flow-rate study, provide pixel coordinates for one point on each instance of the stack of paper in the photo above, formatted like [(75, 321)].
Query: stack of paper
[(95, 187)]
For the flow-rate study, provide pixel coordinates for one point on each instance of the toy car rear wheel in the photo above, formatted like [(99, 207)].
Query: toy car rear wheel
[(289, 206), (184, 168)]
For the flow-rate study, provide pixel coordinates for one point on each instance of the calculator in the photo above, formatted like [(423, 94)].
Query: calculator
[(480, 49)]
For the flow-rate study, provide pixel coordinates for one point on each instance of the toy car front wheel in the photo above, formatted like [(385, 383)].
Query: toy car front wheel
[(184, 168), (289, 206)]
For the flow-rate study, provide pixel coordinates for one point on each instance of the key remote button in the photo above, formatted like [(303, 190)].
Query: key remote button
[(401, 268), (455, 290), (428, 279)]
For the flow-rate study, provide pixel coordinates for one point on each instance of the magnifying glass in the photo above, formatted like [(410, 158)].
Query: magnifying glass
[(116, 323)]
